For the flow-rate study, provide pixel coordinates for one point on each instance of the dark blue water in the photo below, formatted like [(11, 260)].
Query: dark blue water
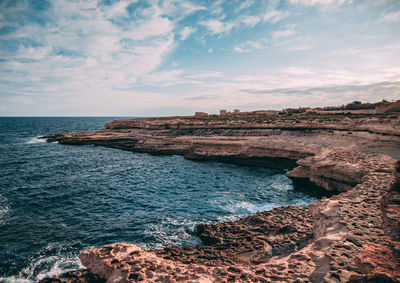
[(57, 200)]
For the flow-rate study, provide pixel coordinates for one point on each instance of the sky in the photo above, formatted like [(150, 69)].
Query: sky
[(175, 57)]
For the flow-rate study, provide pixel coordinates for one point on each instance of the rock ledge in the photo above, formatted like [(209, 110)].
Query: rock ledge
[(352, 236)]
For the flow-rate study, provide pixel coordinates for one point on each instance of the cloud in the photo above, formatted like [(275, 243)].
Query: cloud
[(240, 50), (287, 32), (301, 77), (216, 8), (79, 47), (296, 71), (274, 16), (392, 17), (157, 26), (246, 78), (22, 99), (118, 9), (249, 46), (206, 74), (217, 27), (251, 96), (202, 97), (133, 54), (186, 32), (179, 9), (320, 2), (164, 78), (178, 76), (299, 47), (248, 21), (245, 4), (330, 95)]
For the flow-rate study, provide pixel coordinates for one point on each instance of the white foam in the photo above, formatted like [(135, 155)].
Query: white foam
[(167, 236), (4, 208), (13, 279), (55, 265), (261, 207), (36, 140), (61, 266)]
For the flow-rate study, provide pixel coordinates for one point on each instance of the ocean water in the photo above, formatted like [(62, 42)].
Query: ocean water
[(57, 200)]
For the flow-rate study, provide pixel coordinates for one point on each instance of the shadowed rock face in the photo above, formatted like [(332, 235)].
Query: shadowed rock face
[(352, 236)]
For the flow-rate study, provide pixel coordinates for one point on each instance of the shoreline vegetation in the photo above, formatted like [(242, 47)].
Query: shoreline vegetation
[(352, 234)]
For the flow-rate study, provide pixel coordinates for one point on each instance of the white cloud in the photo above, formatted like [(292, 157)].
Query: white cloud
[(240, 50), (392, 17), (206, 74), (217, 27), (255, 44), (249, 46), (179, 9), (321, 2), (216, 8), (275, 16), (85, 55), (299, 47), (296, 71), (186, 32), (118, 9), (250, 93), (22, 99), (272, 16), (164, 78), (144, 29), (283, 33), (251, 21), (246, 4), (246, 78), (80, 48), (189, 8)]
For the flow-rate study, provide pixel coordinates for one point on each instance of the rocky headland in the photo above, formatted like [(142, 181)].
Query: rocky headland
[(352, 234)]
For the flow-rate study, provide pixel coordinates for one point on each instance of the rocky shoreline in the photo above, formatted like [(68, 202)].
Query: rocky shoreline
[(352, 236)]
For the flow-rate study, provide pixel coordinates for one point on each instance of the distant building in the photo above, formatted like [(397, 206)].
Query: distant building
[(200, 114), (223, 112), (236, 111)]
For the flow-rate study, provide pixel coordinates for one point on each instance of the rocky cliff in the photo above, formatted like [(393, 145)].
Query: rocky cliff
[(351, 236)]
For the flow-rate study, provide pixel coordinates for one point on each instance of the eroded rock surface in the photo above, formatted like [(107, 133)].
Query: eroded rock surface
[(352, 236)]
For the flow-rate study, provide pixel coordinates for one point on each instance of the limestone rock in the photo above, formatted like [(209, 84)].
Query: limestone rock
[(351, 236)]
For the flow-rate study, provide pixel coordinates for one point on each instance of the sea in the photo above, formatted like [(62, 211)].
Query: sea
[(58, 200)]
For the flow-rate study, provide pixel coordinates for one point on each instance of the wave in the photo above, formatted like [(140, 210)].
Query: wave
[(4, 208), (43, 268), (14, 279), (36, 140), (170, 232)]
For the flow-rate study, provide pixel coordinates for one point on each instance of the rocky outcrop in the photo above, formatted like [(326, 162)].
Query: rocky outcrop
[(192, 126), (352, 236), (278, 144), (338, 169)]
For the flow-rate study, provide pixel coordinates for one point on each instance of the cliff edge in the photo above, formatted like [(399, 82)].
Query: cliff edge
[(351, 236)]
